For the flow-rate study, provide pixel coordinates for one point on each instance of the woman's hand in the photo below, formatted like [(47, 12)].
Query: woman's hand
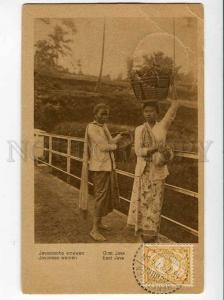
[(152, 150), (161, 147), (117, 138), (125, 133), (166, 151)]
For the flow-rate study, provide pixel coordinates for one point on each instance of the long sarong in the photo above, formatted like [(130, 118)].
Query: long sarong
[(146, 205), (105, 192)]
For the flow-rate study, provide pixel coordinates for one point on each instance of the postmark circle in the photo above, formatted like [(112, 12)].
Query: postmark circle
[(159, 269)]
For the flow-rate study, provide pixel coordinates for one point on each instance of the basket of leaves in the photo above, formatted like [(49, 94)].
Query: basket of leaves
[(151, 83)]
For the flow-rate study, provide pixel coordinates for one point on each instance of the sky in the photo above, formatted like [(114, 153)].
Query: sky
[(126, 37)]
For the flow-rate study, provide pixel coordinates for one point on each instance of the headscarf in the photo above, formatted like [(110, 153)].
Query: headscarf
[(147, 138)]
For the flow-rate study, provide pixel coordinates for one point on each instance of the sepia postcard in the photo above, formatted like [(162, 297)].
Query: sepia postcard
[(113, 113)]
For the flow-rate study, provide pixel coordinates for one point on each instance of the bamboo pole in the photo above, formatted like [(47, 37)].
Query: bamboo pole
[(98, 85)]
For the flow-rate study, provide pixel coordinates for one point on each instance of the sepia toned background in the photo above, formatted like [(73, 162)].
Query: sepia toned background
[(72, 72), (49, 94)]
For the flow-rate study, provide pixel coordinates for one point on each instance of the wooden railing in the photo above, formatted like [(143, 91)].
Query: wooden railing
[(70, 157)]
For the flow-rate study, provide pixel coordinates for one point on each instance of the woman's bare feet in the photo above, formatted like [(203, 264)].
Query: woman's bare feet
[(104, 227), (97, 236)]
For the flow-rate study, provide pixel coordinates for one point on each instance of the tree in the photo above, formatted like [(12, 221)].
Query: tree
[(44, 56), (45, 20), (60, 45), (48, 52), (79, 66), (70, 24)]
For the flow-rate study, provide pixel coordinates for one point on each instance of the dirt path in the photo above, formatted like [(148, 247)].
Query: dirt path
[(57, 218)]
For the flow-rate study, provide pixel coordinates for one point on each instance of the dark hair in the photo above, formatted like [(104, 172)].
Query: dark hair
[(100, 106), (151, 104)]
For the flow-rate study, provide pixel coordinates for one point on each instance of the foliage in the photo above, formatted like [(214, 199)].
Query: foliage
[(63, 105), (60, 42), (162, 64), (70, 24), (157, 61), (44, 56), (58, 45)]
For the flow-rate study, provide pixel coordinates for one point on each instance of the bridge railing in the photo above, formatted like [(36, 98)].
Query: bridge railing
[(48, 147)]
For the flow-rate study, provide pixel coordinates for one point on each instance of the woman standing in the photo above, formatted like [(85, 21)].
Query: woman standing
[(151, 170), (98, 157)]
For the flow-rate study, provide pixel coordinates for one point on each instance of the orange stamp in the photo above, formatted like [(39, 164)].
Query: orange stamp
[(163, 269), (169, 265)]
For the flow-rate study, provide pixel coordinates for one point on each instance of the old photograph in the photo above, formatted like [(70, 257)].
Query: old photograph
[(117, 126), (114, 106)]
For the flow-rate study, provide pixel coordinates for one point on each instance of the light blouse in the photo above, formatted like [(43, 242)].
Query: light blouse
[(101, 146), (159, 131)]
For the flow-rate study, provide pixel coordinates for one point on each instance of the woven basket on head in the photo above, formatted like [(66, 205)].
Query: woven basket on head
[(150, 85)]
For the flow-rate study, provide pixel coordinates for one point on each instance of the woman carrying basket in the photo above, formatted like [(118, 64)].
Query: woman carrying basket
[(151, 170)]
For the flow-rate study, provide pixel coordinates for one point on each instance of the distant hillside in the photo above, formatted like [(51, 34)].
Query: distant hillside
[(64, 104)]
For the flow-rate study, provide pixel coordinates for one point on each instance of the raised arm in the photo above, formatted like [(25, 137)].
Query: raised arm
[(170, 114), (98, 139)]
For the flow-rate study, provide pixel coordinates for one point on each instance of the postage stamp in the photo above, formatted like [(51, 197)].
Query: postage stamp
[(163, 268)]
